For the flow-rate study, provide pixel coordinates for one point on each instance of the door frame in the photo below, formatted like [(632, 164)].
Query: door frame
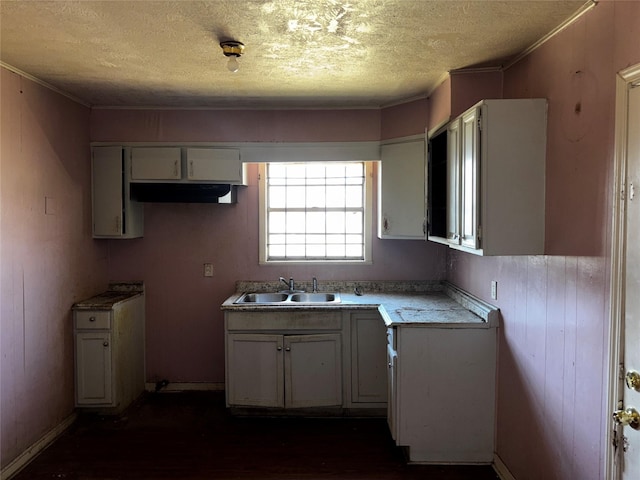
[(618, 257)]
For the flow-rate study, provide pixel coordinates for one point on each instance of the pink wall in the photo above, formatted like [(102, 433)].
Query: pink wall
[(403, 120), (461, 90), (553, 344), (48, 259), (234, 125), (184, 321)]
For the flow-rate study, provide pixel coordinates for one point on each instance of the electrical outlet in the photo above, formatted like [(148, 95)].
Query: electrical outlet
[(208, 270), (494, 290)]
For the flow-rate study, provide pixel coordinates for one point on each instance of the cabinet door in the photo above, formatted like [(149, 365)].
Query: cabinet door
[(470, 180), (392, 392), (107, 188), (155, 163), (93, 368), (401, 198), (255, 375), (214, 164), (453, 182), (313, 370), (368, 362)]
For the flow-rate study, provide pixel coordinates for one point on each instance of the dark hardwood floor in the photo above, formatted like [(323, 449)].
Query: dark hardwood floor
[(192, 436)]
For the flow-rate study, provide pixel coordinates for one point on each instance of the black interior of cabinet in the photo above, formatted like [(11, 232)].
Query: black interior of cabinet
[(437, 180)]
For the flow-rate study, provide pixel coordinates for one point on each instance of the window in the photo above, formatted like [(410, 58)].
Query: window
[(315, 212)]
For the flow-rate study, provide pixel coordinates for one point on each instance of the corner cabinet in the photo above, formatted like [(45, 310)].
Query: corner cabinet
[(442, 392), (486, 179), (114, 214), (401, 193), (109, 355)]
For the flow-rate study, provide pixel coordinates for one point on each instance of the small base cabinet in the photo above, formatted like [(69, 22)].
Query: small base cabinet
[(442, 392), (109, 355)]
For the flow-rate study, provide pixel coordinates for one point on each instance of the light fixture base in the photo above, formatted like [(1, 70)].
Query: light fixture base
[(231, 48)]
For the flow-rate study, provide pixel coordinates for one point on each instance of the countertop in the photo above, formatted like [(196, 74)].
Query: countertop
[(441, 304), (116, 293)]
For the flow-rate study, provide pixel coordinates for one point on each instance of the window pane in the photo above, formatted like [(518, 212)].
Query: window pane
[(315, 210), (277, 197), (277, 222), (316, 197)]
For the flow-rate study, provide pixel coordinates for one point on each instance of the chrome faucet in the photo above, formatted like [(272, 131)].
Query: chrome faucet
[(289, 284), (314, 288)]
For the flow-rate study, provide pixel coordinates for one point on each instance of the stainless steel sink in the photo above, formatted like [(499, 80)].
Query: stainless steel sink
[(288, 298), (262, 298), (315, 298)]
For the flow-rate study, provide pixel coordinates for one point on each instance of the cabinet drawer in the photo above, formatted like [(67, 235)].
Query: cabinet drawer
[(93, 319), (299, 320)]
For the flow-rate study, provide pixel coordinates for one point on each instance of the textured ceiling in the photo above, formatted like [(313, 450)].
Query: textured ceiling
[(299, 53)]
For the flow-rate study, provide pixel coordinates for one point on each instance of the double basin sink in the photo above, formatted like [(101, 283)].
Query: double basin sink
[(281, 298)]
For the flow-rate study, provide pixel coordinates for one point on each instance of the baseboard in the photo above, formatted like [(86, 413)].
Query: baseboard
[(32, 452), (186, 387), (501, 469)]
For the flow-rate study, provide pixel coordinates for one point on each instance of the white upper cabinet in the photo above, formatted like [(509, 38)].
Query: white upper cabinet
[(155, 163), (401, 194), (493, 170), (219, 164), (187, 164), (114, 214)]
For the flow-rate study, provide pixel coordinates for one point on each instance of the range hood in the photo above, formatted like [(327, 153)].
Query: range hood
[(183, 192)]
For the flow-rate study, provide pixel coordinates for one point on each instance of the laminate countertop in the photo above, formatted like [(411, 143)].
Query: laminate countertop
[(117, 292), (442, 305)]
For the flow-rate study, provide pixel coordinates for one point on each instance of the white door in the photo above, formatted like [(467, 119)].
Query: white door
[(453, 182), (624, 463), (106, 177), (214, 164), (631, 396), (313, 370), (155, 163), (254, 370), (470, 184), (93, 368)]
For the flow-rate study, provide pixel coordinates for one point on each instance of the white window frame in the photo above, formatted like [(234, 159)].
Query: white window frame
[(368, 216)]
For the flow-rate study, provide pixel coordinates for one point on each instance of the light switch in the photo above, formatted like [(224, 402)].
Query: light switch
[(494, 290), (208, 270)]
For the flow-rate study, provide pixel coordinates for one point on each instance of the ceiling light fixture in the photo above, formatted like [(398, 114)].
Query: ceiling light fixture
[(233, 50)]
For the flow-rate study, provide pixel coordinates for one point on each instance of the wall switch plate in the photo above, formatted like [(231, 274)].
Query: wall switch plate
[(208, 270), (494, 290)]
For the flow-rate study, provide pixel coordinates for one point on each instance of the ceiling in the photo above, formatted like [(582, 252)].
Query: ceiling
[(298, 53)]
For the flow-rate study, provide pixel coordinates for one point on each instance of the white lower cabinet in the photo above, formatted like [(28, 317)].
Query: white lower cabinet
[(442, 393), (284, 359), (290, 371), (93, 368), (109, 355), (368, 362)]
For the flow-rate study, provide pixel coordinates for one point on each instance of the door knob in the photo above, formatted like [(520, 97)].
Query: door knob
[(632, 380), (629, 417)]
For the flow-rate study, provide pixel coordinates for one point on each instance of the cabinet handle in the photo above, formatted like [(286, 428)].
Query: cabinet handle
[(191, 169), (175, 169), (105, 344), (288, 349), (279, 348), (92, 319)]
